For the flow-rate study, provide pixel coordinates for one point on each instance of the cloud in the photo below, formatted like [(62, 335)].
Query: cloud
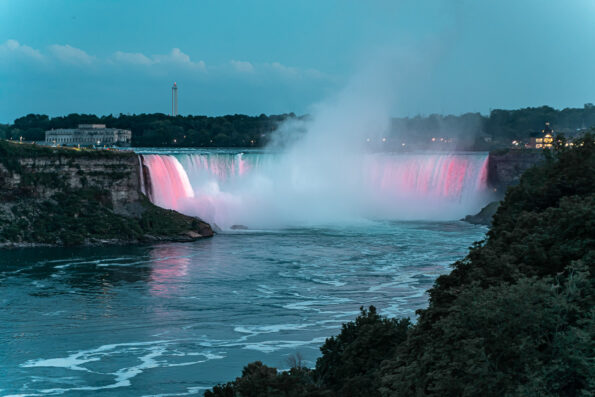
[(71, 55), (285, 70), (291, 72), (132, 57), (176, 56), (174, 60), (242, 66), (12, 48)]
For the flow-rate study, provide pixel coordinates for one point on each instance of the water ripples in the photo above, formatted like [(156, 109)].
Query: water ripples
[(175, 319)]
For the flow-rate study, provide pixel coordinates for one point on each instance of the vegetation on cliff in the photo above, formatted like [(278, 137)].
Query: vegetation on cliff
[(43, 206), (516, 317), (86, 216)]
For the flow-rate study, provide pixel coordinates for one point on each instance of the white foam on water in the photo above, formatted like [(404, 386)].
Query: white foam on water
[(78, 262), (275, 345), (335, 283), (122, 264), (24, 395), (256, 330), (307, 304), (189, 391), (148, 353)]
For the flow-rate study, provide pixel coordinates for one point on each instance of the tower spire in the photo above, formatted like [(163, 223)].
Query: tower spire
[(174, 100)]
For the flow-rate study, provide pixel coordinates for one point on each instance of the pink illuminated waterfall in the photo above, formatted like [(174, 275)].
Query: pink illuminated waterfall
[(448, 177), (268, 189), (169, 181)]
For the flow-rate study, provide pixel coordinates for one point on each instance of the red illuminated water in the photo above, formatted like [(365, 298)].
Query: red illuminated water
[(268, 190), (169, 181)]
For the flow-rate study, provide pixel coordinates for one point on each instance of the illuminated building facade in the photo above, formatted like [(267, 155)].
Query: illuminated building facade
[(543, 140), (88, 135)]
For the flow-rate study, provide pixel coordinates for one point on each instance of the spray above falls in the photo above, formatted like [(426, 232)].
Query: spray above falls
[(261, 190), (320, 171)]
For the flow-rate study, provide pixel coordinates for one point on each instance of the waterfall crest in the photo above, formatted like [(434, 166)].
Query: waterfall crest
[(267, 190)]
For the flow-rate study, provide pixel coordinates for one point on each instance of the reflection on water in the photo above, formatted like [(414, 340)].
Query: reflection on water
[(178, 318), (169, 266)]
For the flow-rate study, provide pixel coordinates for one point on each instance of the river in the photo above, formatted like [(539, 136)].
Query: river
[(175, 319)]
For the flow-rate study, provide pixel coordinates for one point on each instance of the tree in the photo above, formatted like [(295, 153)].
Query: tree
[(351, 361)]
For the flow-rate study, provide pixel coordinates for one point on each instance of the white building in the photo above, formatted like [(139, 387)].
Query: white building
[(88, 135)]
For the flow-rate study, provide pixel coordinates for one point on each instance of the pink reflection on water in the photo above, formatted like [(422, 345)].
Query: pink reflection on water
[(169, 267)]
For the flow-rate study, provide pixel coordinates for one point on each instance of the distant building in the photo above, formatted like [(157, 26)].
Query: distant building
[(88, 135), (542, 140)]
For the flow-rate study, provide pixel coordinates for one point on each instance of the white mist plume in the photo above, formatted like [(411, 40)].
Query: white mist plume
[(317, 178), (326, 174)]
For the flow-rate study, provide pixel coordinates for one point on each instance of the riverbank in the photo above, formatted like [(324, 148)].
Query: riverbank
[(68, 197)]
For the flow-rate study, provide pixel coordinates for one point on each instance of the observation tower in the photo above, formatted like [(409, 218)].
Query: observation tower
[(174, 100)]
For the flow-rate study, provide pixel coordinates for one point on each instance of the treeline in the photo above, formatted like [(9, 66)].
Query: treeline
[(467, 131), (499, 128), (516, 317), (159, 129)]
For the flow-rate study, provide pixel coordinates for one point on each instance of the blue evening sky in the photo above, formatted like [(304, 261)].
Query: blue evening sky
[(276, 56)]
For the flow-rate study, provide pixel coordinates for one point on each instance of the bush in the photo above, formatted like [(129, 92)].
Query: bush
[(351, 361)]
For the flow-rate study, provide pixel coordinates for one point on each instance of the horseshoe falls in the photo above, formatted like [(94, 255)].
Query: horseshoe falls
[(272, 190)]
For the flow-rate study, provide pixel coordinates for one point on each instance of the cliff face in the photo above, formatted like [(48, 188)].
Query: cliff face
[(68, 197), (43, 177), (505, 168)]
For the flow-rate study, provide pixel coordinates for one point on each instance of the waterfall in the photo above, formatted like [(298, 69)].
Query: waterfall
[(270, 190), (169, 182)]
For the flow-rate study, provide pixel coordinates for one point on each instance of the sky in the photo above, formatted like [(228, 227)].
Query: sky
[(272, 56)]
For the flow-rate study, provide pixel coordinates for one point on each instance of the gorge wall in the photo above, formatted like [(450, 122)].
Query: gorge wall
[(506, 167), (52, 196), (43, 176)]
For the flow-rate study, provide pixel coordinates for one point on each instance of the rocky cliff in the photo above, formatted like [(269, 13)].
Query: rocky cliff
[(51, 196), (506, 167)]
